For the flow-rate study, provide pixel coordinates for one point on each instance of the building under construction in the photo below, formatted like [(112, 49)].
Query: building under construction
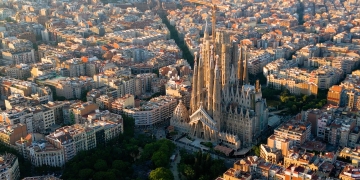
[(224, 107)]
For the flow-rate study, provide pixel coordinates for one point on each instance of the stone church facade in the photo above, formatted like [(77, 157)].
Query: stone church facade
[(224, 107)]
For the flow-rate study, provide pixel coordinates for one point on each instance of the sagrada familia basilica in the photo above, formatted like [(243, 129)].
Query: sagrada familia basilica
[(224, 107)]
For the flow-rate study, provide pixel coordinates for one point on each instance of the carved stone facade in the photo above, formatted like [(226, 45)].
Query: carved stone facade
[(224, 107), (180, 119)]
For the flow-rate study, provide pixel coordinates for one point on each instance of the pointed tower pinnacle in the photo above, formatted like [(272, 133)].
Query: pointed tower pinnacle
[(194, 86), (206, 33), (241, 66), (200, 81), (217, 95), (246, 75), (211, 83), (257, 86)]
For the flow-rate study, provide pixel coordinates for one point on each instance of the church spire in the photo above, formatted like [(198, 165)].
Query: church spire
[(217, 95), (246, 75), (194, 86), (200, 81), (211, 83), (206, 33), (257, 86), (240, 66)]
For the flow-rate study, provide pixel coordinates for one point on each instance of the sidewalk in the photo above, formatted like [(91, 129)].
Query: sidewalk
[(174, 169)]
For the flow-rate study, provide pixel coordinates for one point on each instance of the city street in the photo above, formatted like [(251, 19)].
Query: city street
[(174, 164)]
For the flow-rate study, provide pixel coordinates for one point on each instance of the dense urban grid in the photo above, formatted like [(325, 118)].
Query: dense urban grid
[(179, 89)]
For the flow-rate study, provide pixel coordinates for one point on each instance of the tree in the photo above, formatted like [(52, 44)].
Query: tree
[(60, 98), (8, 19), (161, 174), (86, 173), (189, 172), (120, 165), (160, 159), (200, 166), (100, 165), (35, 46), (104, 175), (129, 125), (256, 150), (305, 98), (217, 168), (83, 95)]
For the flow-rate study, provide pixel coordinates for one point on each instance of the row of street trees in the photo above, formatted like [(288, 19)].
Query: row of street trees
[(294, 103), (200, 166)]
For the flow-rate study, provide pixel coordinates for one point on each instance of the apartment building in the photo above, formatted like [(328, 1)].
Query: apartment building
[(129, 85), (43, 153), (37, 118), (322, 123), (18, 115), (179, 88), (294, 130), (299, 172), (10, 86), (102, 127), (57, 108), (346, 64), (93, 94), (111, 124), (139, 36), (9, 166), (5, 13), (352, 154), (17, 56), (299, 81), (11, 133), (18, 100), (43, 118), (350, 172), (77, 111), (258, 61), (337, 133), (269, 154), (233, 174), (75, 66), (22, 144), (326, 76), (312, 116), (247, 167), (19, 71), (253, 167), (354, 136), (336, 95), (349, 96), (104, 102), (275, 143), (304, 159), (121, 103), (71, 88), (43, 70), (143, 83), (274, 67), (102, 80), (307, 52), (123, 85), (294, 86), (154, 111)]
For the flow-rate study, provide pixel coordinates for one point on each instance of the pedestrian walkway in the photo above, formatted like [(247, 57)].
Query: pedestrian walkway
[(174, 168)]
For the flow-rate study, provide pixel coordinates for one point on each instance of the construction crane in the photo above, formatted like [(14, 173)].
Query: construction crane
[(213, 16)]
